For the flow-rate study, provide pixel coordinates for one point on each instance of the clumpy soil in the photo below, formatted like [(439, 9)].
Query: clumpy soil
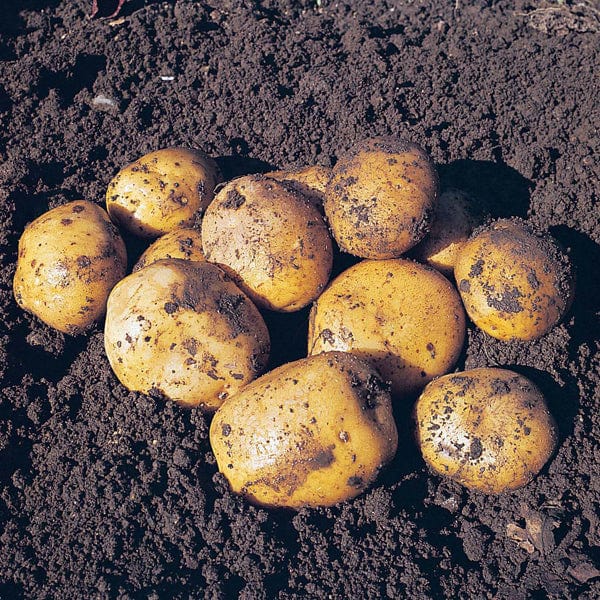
[(110, 494)]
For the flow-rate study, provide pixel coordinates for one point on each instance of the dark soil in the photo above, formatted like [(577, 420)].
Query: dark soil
[(105, 493)]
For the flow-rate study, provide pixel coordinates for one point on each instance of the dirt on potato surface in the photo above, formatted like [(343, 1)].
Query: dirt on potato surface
[(110, 494)]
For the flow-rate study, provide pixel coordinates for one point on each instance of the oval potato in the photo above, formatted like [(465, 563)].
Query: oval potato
[(455, 219), (271, 240), (183, 242), (313, 432), (162, 190), (310, 181), (381, 198), (514, 283), (406, 319), (489, 429), (69, 259), (185, 331)]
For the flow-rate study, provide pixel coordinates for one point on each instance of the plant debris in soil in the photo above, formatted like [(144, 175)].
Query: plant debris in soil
[(106, 493)]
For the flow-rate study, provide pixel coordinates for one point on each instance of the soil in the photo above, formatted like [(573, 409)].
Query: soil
[(111, 494)]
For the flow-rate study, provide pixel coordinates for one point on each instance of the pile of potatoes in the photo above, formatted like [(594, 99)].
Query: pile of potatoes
[(188, 323)]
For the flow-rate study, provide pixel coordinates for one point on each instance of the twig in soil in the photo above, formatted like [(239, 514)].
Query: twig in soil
[(96, 9), (563, 18)]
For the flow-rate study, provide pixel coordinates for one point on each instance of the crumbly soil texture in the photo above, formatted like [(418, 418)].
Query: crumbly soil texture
[(106, 493)]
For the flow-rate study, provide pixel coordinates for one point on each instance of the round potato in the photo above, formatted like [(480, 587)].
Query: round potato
[(184, 330), (314, 432), (489, 429), (271, 239), (183, 242), (69, 259), (405, 318), (515, 284), (162, 190), (381, 198), (456, 218), (310, 181)]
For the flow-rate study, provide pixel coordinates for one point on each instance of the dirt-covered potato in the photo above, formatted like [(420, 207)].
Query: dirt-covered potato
[(514, 282), (489, 429), (405, 318), (310, 433), (183, 242), (162, 190), (271, 239), (69, 259), (381, 198), (456, 217), (310, 181), (184, 330)]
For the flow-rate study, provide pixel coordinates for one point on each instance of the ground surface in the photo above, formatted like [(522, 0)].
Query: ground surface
[(105, 493)]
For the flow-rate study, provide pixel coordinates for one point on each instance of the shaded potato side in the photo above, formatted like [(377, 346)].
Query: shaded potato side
[(314, 432), (381, 198), (162, 190), (405, 318), (311, 181), (489, 429), (68, 261), (456, 217), (183, 242), (271, 240), (185, 331), (515, 284)]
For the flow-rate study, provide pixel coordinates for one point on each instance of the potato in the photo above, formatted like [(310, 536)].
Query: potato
[(310, 181), (69, 259), (185, 331), (272, 241), (314, 432), (406, 319), (162, 190), (182, 242), (489, 429), (515, 284), (455, 219), (381, 198)]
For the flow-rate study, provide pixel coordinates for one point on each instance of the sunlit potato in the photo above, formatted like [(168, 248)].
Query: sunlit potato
[(68, 261), (489, 429), (310, 181), (162, 190), (514, 282), (185, 331), (405, 318), (271, 239), (314, 432), (381, 198), (183, 242)]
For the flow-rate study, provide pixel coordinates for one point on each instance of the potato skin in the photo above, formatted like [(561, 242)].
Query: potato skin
[(69, 259), (314, 432), (455, 219), (515, 284), (405, 318), (381, 198), (311, 181), (162, 190), (182, 242), (489, 429), (185, 331), (272, 241)]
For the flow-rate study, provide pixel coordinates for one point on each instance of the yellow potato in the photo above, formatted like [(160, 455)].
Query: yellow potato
[(183, 242), (310, 181), (489, 429), (272, 241), (314, 432), (455, 219), (69, 259), (185, 331), (514, 283), (381, 198), (162, 190), (406, 319)]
